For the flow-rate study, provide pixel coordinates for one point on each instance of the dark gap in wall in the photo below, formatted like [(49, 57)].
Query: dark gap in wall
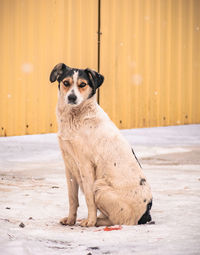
[(99, 43)]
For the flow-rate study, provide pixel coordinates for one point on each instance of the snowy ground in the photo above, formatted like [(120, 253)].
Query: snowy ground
[(33, 191)]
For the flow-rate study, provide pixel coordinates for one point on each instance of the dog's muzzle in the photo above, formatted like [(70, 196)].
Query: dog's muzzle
[(72, 99)]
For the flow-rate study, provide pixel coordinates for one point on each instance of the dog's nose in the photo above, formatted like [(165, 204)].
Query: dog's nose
[(72, 98)]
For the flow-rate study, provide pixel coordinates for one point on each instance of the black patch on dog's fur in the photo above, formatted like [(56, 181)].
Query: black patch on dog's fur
[(142, 181), (136, 158), (58, 72), (146, 217), (96, 79)]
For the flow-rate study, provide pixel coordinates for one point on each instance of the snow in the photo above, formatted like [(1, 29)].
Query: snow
[(33, 191), (165, 136)]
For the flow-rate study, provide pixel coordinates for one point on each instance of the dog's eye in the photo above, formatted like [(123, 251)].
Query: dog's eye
[(66, 83), (82, 85)]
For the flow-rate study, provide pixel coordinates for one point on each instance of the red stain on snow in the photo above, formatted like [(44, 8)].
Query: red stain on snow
[(110, 228)]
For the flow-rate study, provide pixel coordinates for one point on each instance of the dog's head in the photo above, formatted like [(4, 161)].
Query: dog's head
[(77, 85)]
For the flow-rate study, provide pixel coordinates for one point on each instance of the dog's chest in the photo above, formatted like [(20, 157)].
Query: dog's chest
[(79, 142)]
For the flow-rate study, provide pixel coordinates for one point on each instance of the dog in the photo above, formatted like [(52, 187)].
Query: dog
[(97, 157)]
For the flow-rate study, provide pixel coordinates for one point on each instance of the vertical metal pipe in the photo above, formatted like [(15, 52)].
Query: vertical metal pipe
[(99, 43)]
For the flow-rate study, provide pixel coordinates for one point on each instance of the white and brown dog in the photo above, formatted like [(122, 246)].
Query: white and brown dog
[(97, 157)]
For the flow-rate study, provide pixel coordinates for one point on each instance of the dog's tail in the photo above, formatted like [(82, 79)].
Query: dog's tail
[(146, 217), (136, 158)]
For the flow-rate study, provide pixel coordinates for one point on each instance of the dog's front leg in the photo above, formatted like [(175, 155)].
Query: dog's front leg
[(88, 183), (73, 200)]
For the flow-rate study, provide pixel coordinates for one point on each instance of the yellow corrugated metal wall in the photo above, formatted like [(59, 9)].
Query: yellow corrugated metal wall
[(150, 56), (36, 35)]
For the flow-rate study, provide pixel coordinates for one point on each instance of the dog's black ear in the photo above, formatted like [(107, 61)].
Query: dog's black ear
[(58, 71), (95, 78)]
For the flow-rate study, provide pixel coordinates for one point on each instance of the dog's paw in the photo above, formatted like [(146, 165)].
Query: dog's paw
[(88, 223), (68, 221)]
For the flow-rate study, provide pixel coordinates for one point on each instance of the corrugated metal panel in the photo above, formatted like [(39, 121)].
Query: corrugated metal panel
[(36, 35), (150, 56)]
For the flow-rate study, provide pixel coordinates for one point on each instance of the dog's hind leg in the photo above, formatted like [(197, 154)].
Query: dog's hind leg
[(110, 203), (103, 222)]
